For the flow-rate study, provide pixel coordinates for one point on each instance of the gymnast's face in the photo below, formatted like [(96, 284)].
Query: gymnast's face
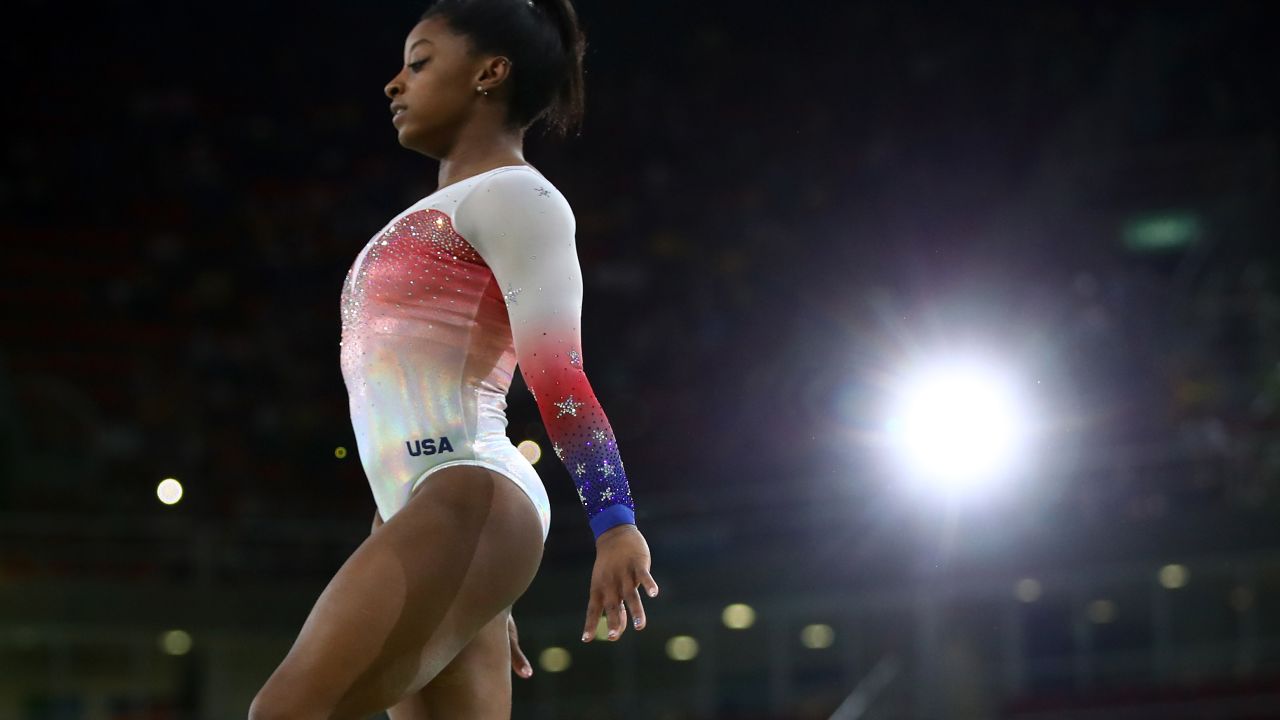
[(434, 95)]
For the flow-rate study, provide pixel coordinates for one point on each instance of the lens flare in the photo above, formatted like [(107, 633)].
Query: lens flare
[(956, 427)]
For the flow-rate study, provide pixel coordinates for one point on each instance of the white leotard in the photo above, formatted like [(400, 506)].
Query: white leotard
[(438, 309)]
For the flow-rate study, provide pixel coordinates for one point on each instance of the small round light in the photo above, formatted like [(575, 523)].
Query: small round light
[(340, 452), (1102, 612), (175, 642), (682, 648), (531, 451), (738, 616), (817, 636), (1173, 577), (1027, 590), (169, 491), (554, 659)]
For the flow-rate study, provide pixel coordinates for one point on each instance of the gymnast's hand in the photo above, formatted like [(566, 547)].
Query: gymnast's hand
[(519, 663), (622, 563)]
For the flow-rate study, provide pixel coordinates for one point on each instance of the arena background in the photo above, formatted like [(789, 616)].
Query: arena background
[(784, 211)]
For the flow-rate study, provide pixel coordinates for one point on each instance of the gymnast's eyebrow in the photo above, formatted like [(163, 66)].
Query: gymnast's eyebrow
[(415, 44)]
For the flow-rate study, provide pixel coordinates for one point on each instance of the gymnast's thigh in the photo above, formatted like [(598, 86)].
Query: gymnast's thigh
[(411, 598)]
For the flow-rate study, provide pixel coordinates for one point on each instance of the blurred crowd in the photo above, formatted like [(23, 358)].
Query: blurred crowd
[(771, 218)]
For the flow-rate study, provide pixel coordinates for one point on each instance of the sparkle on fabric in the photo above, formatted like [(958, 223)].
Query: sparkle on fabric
[(568, 407)]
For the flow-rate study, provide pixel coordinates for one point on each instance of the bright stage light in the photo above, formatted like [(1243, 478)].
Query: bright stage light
[(1173, 577), (175, 642), (957, 427), (555, 659), (817, 636), (169, 491), (738, 616), (531, 451), (682, 648)]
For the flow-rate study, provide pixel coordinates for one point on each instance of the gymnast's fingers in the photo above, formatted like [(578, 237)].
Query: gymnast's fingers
[(519, 662), (617, 615), (635, 607), (593, 618), (651, 585)]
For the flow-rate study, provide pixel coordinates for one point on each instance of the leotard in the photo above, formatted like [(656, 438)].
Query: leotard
[(437, 311)]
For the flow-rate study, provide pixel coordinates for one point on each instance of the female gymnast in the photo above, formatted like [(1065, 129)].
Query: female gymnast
[(437, 310)]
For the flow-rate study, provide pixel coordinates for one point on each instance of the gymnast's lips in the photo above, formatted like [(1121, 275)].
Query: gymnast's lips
[(397, 110)]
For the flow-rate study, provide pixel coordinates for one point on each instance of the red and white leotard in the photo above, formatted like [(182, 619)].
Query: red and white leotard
[(439, 308)]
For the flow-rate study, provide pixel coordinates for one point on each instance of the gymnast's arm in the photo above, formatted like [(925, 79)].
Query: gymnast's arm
[(524, 231)]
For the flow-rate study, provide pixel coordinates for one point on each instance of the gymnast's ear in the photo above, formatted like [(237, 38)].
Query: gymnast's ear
[(494, 72)]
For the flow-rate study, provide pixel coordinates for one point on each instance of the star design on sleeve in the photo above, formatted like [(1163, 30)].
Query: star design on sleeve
[(568, 407), (582, 498), (543, 192), (559, 451), (606, 469), (575, 359), (580, 470), (511, 294), (598, 435), (607, 494)]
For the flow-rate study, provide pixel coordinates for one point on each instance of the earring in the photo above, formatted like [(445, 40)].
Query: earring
[(481, 89)]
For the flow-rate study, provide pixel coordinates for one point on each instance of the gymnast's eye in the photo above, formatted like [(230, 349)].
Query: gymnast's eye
[(416, 66)]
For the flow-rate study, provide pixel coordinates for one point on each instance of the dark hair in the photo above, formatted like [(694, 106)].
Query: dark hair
[(545, 45)]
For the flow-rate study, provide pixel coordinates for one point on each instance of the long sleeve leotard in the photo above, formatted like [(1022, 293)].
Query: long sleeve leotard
[(438, 310)]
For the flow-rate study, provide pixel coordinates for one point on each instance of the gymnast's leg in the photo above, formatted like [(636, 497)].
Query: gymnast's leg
[(476, 685), (410, 599)]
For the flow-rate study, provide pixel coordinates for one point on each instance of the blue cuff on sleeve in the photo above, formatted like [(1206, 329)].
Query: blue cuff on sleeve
[(610, 517)]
